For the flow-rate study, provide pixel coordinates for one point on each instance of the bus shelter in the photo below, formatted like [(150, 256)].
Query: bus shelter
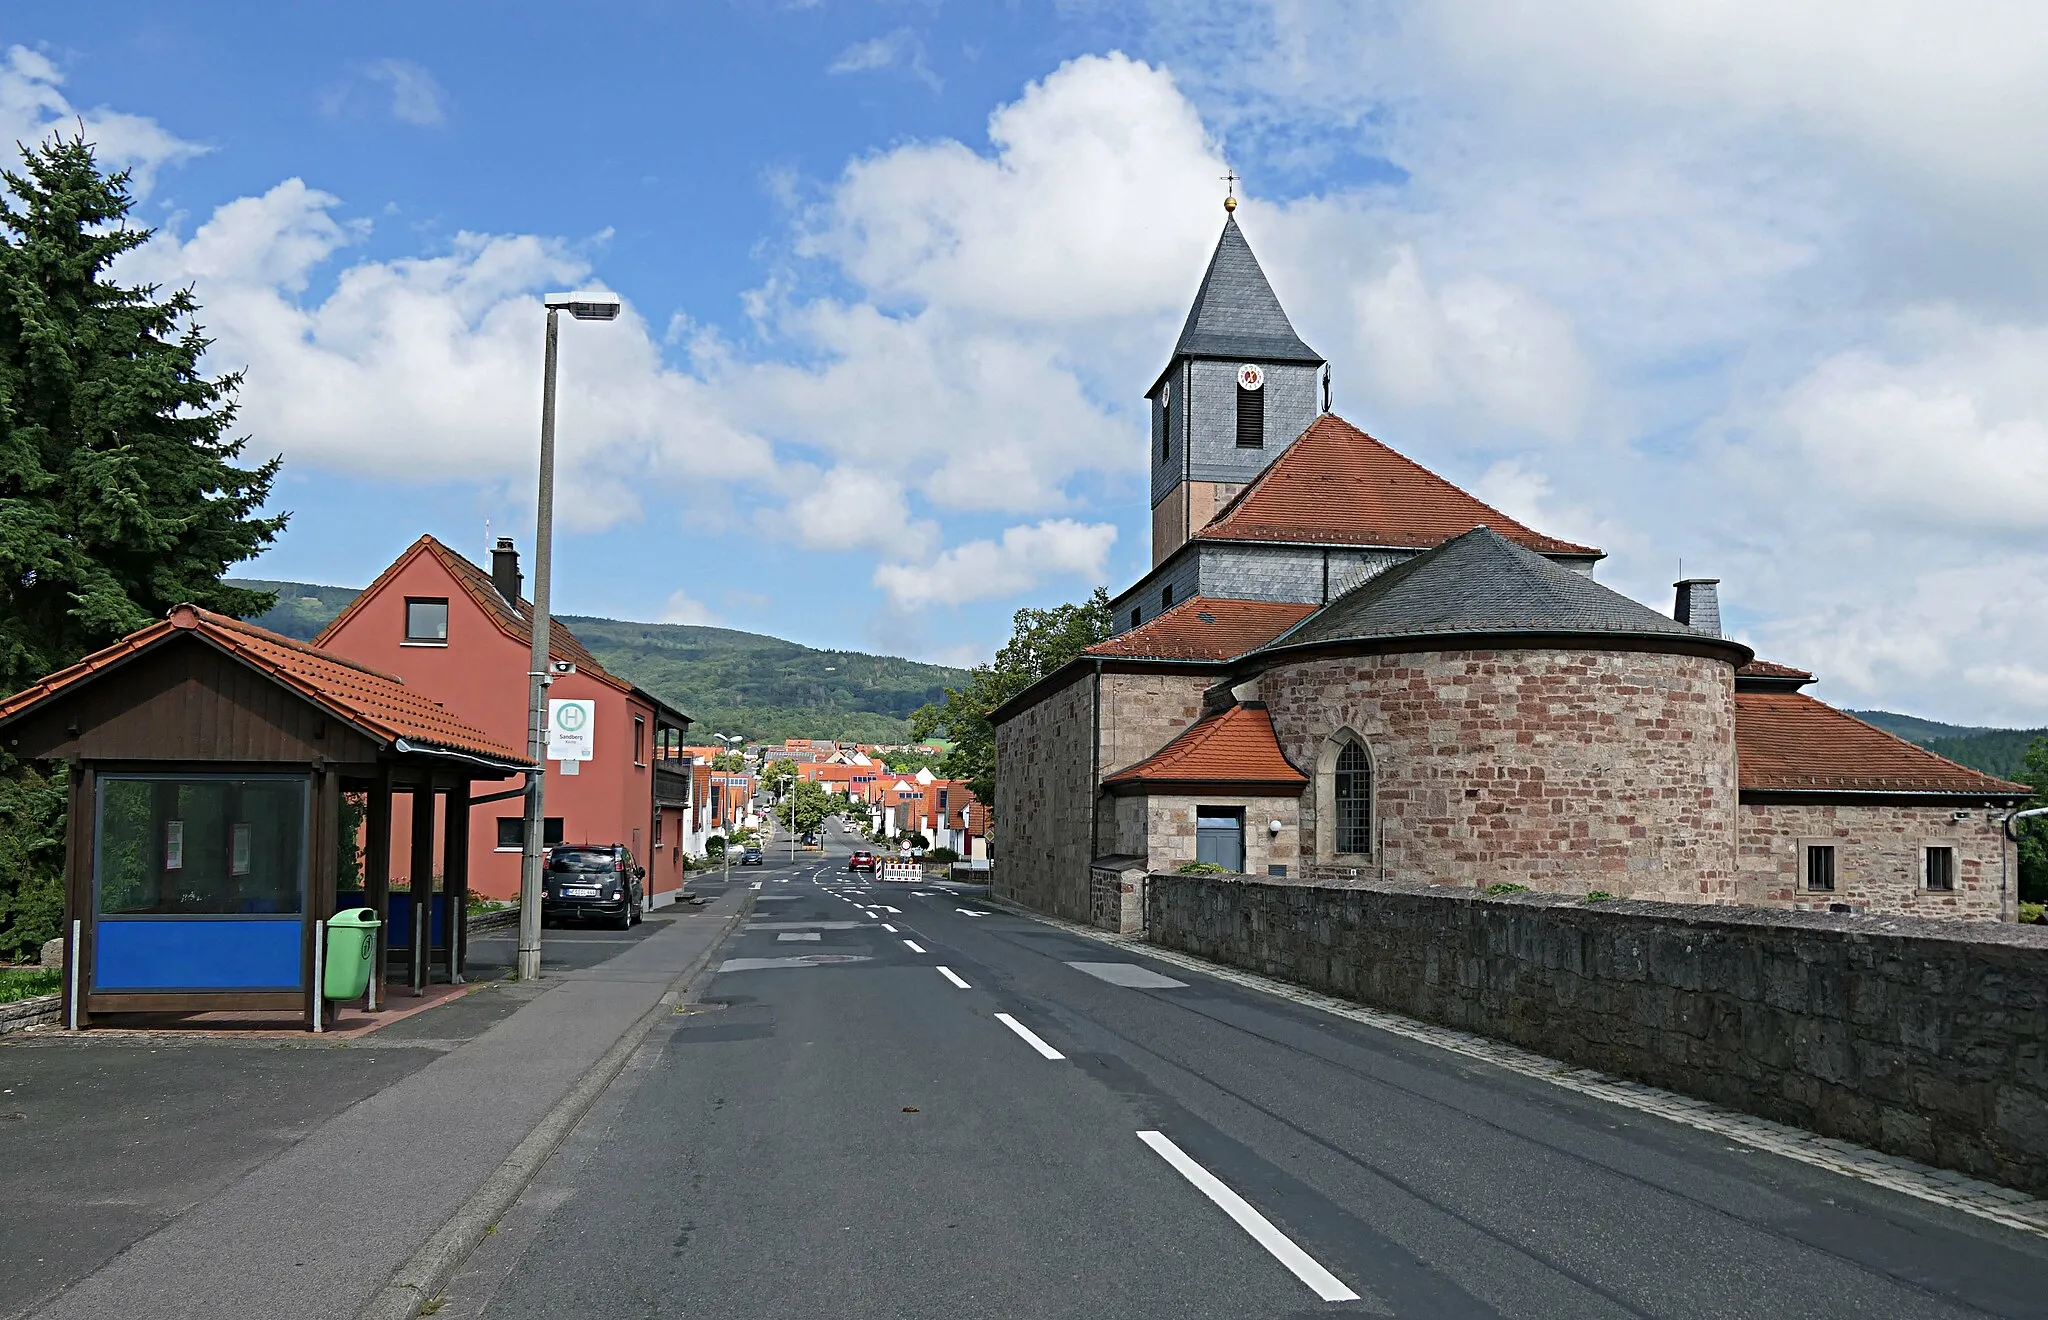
[(207, 761)]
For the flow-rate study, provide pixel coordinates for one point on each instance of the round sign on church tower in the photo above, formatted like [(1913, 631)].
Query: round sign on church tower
[(1249, 376)]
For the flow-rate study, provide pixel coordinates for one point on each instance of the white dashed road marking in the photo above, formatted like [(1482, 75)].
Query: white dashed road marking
[(1304, 1267), (912, 946), (1030, 1036), (952, 976)]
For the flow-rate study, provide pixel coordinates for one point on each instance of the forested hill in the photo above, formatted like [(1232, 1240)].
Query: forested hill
[(2001, 752), (728, 681)]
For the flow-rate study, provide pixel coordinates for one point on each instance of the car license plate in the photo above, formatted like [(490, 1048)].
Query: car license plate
[(579, 893)]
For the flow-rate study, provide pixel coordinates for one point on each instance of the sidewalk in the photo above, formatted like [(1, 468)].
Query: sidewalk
[(319, 1228)]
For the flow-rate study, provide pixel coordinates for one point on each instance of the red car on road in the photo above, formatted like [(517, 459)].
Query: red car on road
[(861, 861)]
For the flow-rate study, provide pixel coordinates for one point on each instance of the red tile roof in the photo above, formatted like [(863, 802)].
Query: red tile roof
[(1771, 669), (1788, 740), (1205, 628), (477, 585), (374, 702), (1236, 746), (1338, 485)]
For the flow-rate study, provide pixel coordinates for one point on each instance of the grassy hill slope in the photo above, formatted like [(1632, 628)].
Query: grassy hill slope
[(729, 681)]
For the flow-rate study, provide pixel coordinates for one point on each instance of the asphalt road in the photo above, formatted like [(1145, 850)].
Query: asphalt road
[(848, 1126)]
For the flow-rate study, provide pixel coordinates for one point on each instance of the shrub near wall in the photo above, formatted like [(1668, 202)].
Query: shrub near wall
[(1927, 1039)]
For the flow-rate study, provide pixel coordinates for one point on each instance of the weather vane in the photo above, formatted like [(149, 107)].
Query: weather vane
[(1229, 176)]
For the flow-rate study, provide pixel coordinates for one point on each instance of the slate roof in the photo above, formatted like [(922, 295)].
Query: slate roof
[(1234, 746), (1236, 313), (377, 703), (1790, 741), (1336, 485), (1205, 628), (1481, 582)]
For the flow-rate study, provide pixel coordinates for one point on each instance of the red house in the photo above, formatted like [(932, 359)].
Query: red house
[(463, 637)]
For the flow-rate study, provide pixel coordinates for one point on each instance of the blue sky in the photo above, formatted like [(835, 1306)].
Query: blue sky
[(1757, 290)]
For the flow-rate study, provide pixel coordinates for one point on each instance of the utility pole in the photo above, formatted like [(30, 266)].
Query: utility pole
[(584, 307)]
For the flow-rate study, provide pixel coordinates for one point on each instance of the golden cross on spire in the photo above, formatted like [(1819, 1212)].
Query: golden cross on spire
[(1229, 176)]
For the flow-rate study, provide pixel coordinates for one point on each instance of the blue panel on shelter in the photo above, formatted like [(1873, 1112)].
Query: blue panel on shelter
[(197, 955), (398, 934)]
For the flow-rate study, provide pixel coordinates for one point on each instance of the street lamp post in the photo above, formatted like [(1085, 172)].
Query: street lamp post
[(584, 307)]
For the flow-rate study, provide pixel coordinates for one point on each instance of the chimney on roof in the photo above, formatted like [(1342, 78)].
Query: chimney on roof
[(1699, 605), (505, 571)]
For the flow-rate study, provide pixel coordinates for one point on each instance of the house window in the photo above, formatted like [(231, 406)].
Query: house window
[(639, 741), (1251, 418), (1820, 867), (1134, 618), (1166, 598), (1219, 836), (512, 832), (426, 620), (1941, 867), (1353, 800)]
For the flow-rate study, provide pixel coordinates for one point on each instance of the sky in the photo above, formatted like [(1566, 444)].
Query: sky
[(1742, 290)]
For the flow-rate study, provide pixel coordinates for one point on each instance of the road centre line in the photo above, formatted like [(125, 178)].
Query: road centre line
[(1303, 1266), (913, 946), (1030, 1036), (954, 977)]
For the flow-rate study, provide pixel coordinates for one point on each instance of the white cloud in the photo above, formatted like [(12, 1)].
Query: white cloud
[(850, 509), (33, 106), (988, 570), (684, 608), (429, 368), (415, 96), (902, 48)]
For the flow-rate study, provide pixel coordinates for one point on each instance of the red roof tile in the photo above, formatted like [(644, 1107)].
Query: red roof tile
[(477, 585), (1338, 485), (1788, 740), (375, 702), (1771, 669), (1205, 628), (1235, 747)]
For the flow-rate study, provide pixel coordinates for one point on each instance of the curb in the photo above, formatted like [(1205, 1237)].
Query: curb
[(421, 1278)]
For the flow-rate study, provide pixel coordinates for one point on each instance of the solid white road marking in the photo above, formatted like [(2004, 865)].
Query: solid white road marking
[(1304, 1267), (1030, 1036), (891, 929), (913, 946), (969, 912), (952, 976), (1128, 974)]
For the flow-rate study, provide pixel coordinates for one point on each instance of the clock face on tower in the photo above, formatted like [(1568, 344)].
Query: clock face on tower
[(1249, 377)]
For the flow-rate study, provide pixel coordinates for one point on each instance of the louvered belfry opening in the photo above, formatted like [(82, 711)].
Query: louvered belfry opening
[(1251, 418), (1354, 801)]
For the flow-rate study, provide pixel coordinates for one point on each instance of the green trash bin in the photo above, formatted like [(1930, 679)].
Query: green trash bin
[(351, 952)]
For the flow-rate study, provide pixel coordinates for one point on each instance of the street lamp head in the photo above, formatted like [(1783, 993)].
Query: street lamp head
[(588, 306)]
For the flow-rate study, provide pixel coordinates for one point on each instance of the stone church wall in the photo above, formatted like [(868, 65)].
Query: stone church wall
[(1569, 771), (1160, 828), (1922, 1038), (1879, 858), (1045, 800)]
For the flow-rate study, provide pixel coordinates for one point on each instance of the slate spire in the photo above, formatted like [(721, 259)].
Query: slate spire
[(1236, 313)]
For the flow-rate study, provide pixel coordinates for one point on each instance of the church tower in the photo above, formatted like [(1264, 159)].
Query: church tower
[(1238, 389)]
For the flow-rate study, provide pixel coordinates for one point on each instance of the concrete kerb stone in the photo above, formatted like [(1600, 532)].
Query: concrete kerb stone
[(1944, 1187), (420, 1279)]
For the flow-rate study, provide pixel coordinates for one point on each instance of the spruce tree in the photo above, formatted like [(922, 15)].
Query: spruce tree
[(119, 493)]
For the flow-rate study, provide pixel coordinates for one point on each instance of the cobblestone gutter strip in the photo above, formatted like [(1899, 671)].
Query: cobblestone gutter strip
[(498, 920), (1944, 1187), (23, 1014)]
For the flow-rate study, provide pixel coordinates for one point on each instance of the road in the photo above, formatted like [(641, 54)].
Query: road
[(892, 1102)]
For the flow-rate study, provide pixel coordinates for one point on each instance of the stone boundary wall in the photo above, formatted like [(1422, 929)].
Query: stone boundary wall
[(1924, 1038), (42, 1011)]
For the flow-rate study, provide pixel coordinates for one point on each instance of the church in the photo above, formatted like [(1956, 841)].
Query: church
[(1342, 668)]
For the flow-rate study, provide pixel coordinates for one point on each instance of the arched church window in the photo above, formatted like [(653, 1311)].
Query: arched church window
[(1353, 800)]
